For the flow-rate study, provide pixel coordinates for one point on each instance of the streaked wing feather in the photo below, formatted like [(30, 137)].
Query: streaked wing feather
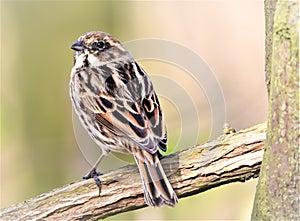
[(128, 114)]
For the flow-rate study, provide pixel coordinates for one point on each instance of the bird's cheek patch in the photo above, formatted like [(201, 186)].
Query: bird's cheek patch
[(94, 61)]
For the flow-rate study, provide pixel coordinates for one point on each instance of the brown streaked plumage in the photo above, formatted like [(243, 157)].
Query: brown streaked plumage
[(116, 103)]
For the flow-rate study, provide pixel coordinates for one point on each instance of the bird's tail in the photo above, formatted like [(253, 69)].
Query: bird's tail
[(157, 188)]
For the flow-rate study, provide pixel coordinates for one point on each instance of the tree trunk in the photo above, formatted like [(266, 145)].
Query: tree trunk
[(277, 196)]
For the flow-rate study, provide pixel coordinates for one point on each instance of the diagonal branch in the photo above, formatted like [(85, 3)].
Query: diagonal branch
[(230, 158)]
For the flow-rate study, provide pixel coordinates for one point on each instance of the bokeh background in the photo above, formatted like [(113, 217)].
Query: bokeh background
[(39, 151)]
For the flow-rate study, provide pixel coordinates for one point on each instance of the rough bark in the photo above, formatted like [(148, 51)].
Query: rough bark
[(278, 191), (269, 22), (232, 157)]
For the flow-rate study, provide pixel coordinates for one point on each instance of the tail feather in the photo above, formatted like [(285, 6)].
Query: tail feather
[(157, 188)]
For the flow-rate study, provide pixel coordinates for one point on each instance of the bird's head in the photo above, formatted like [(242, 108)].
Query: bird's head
[(99, 47)]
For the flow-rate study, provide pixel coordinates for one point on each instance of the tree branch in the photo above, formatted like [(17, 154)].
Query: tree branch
[(230, 158)]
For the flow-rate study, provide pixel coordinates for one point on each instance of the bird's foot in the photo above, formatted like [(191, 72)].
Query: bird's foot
[(94, 174)]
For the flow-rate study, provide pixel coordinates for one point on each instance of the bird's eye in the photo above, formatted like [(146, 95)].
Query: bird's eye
[(101, 44), (98, 45)]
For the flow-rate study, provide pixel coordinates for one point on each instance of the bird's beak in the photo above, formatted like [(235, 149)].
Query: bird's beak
[(77, 46)]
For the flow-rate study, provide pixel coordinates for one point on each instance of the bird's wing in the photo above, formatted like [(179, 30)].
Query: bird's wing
[(129, 107)]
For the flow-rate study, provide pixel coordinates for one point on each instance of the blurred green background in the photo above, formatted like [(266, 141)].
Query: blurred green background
[(38, 148)]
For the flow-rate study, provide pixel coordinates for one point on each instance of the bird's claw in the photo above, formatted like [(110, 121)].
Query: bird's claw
[(91, 174), (94, 174)]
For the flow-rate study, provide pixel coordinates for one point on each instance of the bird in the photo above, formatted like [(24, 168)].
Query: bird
[(116, 103)]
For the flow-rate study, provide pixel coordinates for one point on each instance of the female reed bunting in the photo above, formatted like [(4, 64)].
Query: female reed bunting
[(117, 105)]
